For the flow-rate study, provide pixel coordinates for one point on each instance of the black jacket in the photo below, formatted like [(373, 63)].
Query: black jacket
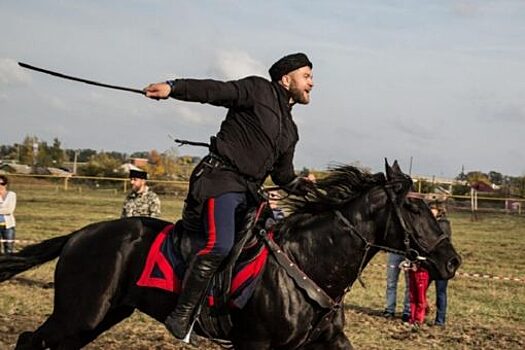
[(258, 136)]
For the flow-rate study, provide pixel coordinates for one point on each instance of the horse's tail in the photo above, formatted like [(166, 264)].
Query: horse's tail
[(31, 256)]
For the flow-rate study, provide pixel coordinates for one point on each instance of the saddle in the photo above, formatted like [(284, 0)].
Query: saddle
[(232, 285), (235, 282)]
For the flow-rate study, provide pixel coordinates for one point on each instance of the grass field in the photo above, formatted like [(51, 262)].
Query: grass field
[(483, 313)]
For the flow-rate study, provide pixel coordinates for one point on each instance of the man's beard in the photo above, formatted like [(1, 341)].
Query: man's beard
[(299, 96)]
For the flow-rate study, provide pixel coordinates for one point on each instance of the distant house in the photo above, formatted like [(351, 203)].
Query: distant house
[(139, 162), (59, 172), (125, 168), (11, 168), (482, 186), (185, 160)]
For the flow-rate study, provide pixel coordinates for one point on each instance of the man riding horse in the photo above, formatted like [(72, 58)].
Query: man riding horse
[(256, 139)]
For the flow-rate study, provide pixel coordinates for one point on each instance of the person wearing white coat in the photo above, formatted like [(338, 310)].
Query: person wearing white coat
[(7, 218)]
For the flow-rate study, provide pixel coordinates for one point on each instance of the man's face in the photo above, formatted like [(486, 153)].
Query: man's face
[(137, 185), (299, 83)]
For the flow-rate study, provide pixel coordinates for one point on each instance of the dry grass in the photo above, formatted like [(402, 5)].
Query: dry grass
[(483, 313)]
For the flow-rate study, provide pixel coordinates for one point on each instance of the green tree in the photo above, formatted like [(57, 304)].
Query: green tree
[(142, 154), (56, 153), (495, 177), (43, 157), (101, 164), (28, 150), (477, 176), (85, 155), (122, 157), (517, 186), (8, 152), (162, 165)]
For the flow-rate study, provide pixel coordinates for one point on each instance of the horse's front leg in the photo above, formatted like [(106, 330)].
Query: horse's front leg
[(252, 345), (333, 336), (338, 342)]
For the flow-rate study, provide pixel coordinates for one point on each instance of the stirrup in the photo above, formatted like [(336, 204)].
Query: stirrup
[(186, 338)]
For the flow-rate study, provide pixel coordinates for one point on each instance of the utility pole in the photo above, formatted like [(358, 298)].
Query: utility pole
[(35, 151), (75, 162)]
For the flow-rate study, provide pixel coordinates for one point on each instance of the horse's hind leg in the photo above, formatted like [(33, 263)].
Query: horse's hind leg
[(53, 335), (113, 317), (25, 341), (46, 336), (84, 307)]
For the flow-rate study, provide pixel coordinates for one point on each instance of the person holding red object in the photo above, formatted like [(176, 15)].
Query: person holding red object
[(418, 281)]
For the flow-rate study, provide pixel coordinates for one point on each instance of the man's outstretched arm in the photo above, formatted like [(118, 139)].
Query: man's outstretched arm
[(225, 94)]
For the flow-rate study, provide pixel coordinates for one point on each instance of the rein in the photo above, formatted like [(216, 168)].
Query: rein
[(349, 227)]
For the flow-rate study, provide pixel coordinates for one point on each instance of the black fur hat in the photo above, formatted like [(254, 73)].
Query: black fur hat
[(288, 64), (138, 174)]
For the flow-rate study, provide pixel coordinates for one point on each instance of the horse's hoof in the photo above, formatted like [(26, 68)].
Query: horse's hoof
[(24, 341)]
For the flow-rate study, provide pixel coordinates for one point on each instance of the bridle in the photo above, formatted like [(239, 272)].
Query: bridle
[(409, 253)]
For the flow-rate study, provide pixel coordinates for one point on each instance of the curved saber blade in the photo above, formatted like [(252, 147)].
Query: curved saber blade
[(90, 82)]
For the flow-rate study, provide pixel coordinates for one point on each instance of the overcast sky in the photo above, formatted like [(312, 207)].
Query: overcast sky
[(440, 81)]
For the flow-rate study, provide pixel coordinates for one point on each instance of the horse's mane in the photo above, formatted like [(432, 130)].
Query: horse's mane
[(343, 184)]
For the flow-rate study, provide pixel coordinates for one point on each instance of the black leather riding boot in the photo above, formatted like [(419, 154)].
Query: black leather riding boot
[(195, 284)]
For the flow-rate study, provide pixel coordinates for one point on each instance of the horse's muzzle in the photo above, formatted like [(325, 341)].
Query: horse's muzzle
[(453, 264)]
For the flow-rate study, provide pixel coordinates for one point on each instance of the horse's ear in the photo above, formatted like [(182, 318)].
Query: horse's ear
[(396, 169), (388, 170), (394, 174)]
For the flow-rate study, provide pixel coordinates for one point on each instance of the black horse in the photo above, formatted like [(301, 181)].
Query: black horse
[(331, 236)]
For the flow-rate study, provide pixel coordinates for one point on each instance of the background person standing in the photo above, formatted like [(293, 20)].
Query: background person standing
[(441, 285), (7, 218), (392, 277), (141, 201), (277, 211), (418, 281)]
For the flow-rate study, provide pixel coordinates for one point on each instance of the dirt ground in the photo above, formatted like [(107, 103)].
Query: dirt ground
[(366, 328)]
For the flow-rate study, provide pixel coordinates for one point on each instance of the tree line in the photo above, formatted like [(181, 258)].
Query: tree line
[(38, 153), (169, 165)]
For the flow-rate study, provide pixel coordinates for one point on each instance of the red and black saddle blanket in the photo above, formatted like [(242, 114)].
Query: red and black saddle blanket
[(165, 268)]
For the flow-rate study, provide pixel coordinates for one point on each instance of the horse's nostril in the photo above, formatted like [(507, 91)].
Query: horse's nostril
[(453, 264)]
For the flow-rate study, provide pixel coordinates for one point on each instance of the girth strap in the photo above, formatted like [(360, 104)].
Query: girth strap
[(313, 291)]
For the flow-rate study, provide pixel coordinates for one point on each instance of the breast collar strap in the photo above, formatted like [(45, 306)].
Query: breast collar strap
[(305, 283)]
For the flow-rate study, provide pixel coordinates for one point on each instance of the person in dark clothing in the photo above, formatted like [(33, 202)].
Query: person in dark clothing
[(438, 209), (257, 139)]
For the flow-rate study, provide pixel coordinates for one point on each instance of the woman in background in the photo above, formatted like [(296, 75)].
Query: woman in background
[(7, 218)]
